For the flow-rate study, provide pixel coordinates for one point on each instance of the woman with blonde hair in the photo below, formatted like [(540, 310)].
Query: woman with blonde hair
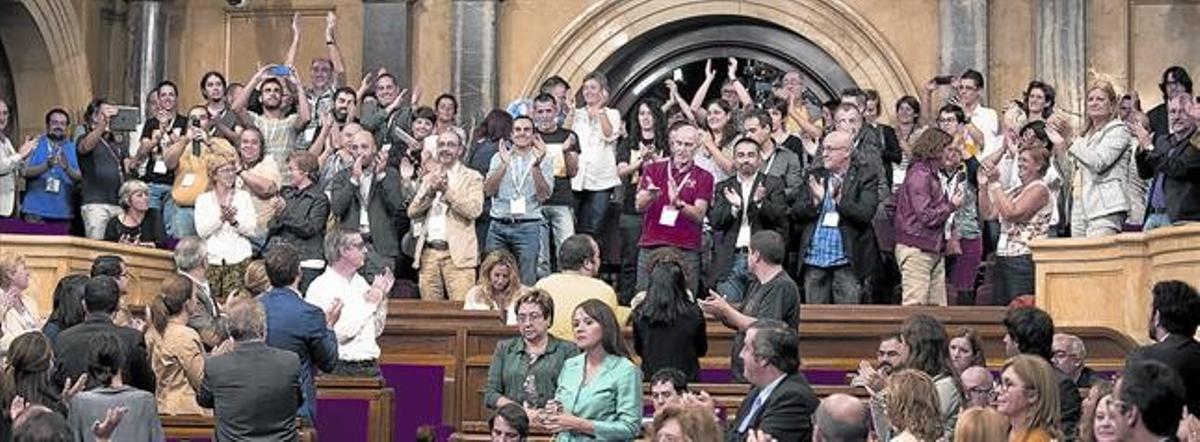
[(685, 423), (1100, 167), (981, 425), (1094, 421), (255, 281), (1028, 396), (18, 312), (226, 220), (912, 407), (499, 286)]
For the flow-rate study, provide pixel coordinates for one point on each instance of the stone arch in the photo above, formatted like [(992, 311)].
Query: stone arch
[(47, 54), (607, 25)]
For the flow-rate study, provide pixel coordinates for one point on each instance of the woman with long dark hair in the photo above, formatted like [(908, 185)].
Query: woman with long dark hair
[(645, 143), (600, 391), (30, 359), (105, 362), (68, 305), (668, 327), (929, 352), (176, 351)]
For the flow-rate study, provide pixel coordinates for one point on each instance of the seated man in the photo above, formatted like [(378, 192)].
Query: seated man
[(1068, 355), (363, 305), (840, 417), (509, 424), (781, 403), (892, 353), (71, 347), (253, 389), (666, 387), (977, 386), (579, 262)]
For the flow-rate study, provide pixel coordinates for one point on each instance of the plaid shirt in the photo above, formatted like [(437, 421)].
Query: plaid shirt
[(826, 249)]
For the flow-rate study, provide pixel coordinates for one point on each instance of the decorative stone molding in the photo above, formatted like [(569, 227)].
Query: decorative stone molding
[(607, 25), (61, 30)]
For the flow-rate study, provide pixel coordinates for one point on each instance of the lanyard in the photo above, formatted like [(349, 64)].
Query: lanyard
[(520, 178), (673, 189)]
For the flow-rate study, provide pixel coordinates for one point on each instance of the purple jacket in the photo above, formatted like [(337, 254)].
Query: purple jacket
[(922, 209)]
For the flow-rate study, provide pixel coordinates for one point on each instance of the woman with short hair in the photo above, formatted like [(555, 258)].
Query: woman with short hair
[(966, 350), (18, 311), (226, 220), (137, 224), (923, 208), (524, 370), (1025, 213), (176, 352)]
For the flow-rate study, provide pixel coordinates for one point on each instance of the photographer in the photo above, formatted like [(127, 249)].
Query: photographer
[(102, 155)]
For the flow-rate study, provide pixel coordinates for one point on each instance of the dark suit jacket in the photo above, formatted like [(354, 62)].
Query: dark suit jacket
[(1181, 353), (856, 211), (254, 391), (387, 202), (1181, 176), (72, 349), (299, 327), (786, 416), (770, 215)]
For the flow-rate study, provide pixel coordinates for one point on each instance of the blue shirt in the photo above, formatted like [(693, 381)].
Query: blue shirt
[(49, 195), (826, 249), (297, 326), (518, 183)]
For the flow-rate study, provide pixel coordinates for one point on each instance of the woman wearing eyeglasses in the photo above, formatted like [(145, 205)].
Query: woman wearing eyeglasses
[(524, 370), (226, 220), (1028, 395)]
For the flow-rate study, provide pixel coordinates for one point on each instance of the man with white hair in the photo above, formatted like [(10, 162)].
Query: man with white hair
[(977, 384), (1068, 355)]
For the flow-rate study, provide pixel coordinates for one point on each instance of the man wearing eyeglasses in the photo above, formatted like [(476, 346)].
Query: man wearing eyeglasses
[(978, 384), (1068, 355)]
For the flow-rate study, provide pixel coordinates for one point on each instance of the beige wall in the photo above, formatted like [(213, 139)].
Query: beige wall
[(1161, 34)]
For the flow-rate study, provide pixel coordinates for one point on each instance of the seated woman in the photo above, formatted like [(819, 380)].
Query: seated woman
[(1029, 398), (599, 391), (1024, 213), (18, 311), (498, 287), (140, 422), (255, 282), (685, 422), (668, 328), (176, 352), (912, 407), (137, 224), (68, 306), (524, 370), (981, 425), (226, 220), (660, 256), (966, 350)]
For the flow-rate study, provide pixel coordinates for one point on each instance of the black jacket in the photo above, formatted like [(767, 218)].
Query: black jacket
[(1181, 176), (302, 221), (254, 390), (72, 350), (679, 345), (387, 203), (856, 210), (771, 214), (786, 415), (1181, 353)]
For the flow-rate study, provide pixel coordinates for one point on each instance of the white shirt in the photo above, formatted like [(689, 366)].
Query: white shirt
[(361, 322), (598, 154), (226, 243), (743, 238), (987, 121)]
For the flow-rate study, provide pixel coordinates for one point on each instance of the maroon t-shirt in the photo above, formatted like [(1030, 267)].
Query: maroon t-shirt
[(694, 184)]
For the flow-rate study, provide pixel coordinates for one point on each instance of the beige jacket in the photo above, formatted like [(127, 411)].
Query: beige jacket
[(10, 167), (464, 196)]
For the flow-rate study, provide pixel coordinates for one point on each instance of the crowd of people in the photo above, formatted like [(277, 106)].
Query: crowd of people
[(295, 210)]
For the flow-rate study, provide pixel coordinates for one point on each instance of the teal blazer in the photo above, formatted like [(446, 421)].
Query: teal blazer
[(612, 400)]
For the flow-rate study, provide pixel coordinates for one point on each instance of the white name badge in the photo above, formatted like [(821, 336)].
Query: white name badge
[(830, 219), (516, 206), (187, 180), (53, 185), (160, 166), (386, 147), (309, 134), (668, 216)]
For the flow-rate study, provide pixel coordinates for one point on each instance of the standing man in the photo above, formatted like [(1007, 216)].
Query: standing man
[(368, 197), (51, 172), (1172, 163), (443, 212), (158, 134), (1174, 315), (1175, 82), (191, 261), (189, 157), (327, 75), (279, 130), (837, 205), (102, 156), (363, 305), (213, 88), (747, 203), (518, 180), (772, 295), (298, 326), (782, 163), (674, 197), (563, 148)]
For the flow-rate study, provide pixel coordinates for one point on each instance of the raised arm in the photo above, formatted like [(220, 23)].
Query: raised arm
[(335, 54), (290, 57), (709, 75), (243, 98)]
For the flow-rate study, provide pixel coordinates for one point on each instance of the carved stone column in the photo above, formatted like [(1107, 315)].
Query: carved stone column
[(964, 37), (147, 27), (1060, 57), (386, 42), (474, 58)]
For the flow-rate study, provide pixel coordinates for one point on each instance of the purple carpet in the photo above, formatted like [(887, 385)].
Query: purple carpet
[(344, 419), (418, 393), (21, 227)]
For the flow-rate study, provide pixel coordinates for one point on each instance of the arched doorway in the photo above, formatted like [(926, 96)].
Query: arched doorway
[(639, 67)]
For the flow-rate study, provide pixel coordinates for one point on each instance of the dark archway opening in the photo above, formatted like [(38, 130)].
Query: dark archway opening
[(679, 50)]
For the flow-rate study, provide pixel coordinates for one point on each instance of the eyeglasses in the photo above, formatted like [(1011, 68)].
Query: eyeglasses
[(521, 319), (989, 393)]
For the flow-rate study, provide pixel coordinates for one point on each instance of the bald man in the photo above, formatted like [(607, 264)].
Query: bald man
[(840, 418), (368, 196), (836, 205), (977, 385)]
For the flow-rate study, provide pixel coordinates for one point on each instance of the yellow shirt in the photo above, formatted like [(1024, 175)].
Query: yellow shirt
[(191, 175), (568, 291)]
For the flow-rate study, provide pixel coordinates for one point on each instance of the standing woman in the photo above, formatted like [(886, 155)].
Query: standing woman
[(1029, 398), (176, 352), (18, 311), (923, 208), (485, 142), (645, 144), (225, 219), (598, 128), (600, 391), (524, 370), (106, 362), (67, 310), (717, 140), (668, 327), (908, 128), (1100, 159), (1024, 213), (10, 163), (964, 235), (966, 350)]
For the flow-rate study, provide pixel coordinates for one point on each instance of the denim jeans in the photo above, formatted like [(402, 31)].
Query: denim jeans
[(591, 207), (691, 260), (523, 239), (733, 286), (560, 224), (184, 222), (836, 284), (1155, 220), (160, 198)]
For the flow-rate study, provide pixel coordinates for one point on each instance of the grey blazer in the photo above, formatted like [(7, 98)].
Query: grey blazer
[(786, 165), (1102, 159)]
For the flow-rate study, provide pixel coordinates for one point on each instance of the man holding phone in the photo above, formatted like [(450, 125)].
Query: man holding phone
[(102, 163), (189, 157), (279, 130)]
